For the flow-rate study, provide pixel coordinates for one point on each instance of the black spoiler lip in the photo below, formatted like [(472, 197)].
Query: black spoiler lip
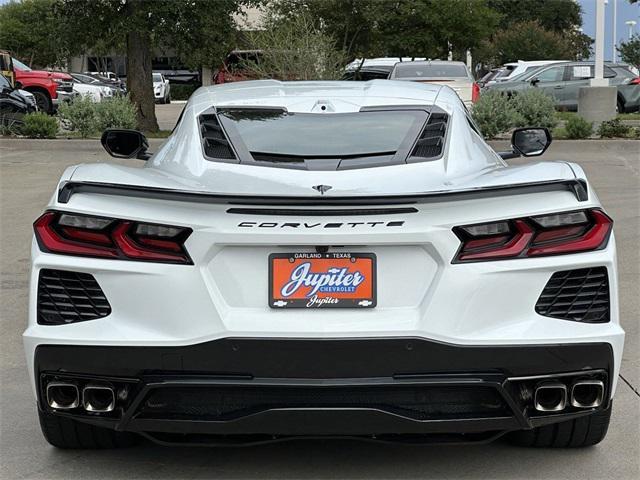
[(576, 186)]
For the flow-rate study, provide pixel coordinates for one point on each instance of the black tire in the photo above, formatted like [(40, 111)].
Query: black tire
[(43, 101), (620, 106), (62, 432), (168, 99), (581, 432)]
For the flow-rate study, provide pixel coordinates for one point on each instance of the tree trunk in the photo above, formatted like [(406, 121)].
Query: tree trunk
[(140, 80)]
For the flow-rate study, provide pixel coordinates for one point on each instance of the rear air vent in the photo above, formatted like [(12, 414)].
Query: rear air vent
[(578, 295), (214, 141), (69, 297), (431, 142)]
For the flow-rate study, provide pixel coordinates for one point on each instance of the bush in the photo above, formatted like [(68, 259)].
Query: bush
[(613, 128), (39, 125), (494, 113), (116, 112), (578, 127), (80, 114), (89, 118), (182, 91), (535, 109)]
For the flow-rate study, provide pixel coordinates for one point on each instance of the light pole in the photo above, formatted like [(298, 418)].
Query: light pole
[(631, 24), (613, 34)]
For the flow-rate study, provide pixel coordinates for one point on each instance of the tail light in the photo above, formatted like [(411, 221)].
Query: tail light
[(635, 81), (475, 93), (558, 233), (73, 234)]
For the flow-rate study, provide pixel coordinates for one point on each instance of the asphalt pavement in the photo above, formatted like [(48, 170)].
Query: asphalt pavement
[(29, 170)]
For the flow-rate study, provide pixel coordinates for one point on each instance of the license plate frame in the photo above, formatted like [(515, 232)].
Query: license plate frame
[(360, 296)]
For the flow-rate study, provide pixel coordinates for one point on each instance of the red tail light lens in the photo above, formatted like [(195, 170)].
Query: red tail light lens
[(72, 234), (475, 93), (566, 232), (635, 81)]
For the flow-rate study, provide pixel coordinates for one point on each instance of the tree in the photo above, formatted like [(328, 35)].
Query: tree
[(294, 49), (630, 51), (427, 28), (530, 41), (29, 31), (555, 15), (200, 32)]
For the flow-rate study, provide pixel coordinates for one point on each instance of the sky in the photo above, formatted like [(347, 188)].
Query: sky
[(625, 12)]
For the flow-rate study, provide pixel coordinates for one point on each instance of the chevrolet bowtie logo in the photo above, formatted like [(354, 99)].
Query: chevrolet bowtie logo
[(322, 188)]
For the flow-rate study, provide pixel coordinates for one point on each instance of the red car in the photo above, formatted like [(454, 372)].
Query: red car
[(49, 88)]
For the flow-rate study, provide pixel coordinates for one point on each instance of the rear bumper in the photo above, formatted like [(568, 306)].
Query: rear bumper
[(245, 389)]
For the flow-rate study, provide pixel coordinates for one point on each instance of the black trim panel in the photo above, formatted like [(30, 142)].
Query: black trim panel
[(68, 189), (324, 358)]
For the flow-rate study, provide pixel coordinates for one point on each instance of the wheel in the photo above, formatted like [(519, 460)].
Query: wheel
[(620, 106), (43, 101), (168, 99), (581, 432), (62, 432)]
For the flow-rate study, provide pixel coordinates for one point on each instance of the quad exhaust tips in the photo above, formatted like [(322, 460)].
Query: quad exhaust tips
[(63, 396), (550, 397), (98, 398), (587, 393)]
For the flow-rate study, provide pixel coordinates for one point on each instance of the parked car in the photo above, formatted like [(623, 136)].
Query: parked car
[(490, 76), (324, 259), (373, 68), (49, 88), (563, 81), (511, 70), (453, 74), (87, 86), (161, 88), (111, 80), (13, 105), (233, 68), (114, 88)]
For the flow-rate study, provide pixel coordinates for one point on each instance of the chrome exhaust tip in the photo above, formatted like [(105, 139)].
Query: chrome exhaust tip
[(587, 393), (98, 398), (550, 397), (63, 396)]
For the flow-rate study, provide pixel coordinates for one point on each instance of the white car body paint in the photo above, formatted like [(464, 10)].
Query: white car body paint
[(421, 294)]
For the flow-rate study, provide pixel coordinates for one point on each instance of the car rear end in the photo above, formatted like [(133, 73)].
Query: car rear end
[(193, 317), (452, 74)]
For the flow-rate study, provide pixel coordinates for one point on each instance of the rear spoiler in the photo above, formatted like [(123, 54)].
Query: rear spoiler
[(576, 186)]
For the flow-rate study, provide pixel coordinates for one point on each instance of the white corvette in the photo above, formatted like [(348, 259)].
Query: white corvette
[(324, 259)]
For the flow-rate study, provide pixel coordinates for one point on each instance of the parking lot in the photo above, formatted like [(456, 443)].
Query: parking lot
[(29, 170)]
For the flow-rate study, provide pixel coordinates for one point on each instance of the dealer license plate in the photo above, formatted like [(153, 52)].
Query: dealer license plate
[(322, 280)]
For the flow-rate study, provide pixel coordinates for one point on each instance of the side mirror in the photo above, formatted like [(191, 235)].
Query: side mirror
[(534, 82), (530, 142), (121, 143)]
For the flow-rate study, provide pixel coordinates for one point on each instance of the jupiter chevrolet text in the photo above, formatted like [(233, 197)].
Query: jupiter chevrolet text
[(315, 259)]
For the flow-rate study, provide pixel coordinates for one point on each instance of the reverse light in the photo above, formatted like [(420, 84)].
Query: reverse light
[(89, 236), (553, 234)]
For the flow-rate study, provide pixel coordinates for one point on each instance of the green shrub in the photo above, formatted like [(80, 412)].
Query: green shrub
[(88, 118), (182, 91), (494, 113), (535, 109), (116, 112), (39, 125), (613, 128), (80, 115), (578, 127)]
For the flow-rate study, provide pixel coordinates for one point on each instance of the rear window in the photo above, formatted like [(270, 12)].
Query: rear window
[(308, 135), (157, 77), (442, 70)]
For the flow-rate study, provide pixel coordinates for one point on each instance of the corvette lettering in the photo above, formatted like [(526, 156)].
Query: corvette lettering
[(320, 225)]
